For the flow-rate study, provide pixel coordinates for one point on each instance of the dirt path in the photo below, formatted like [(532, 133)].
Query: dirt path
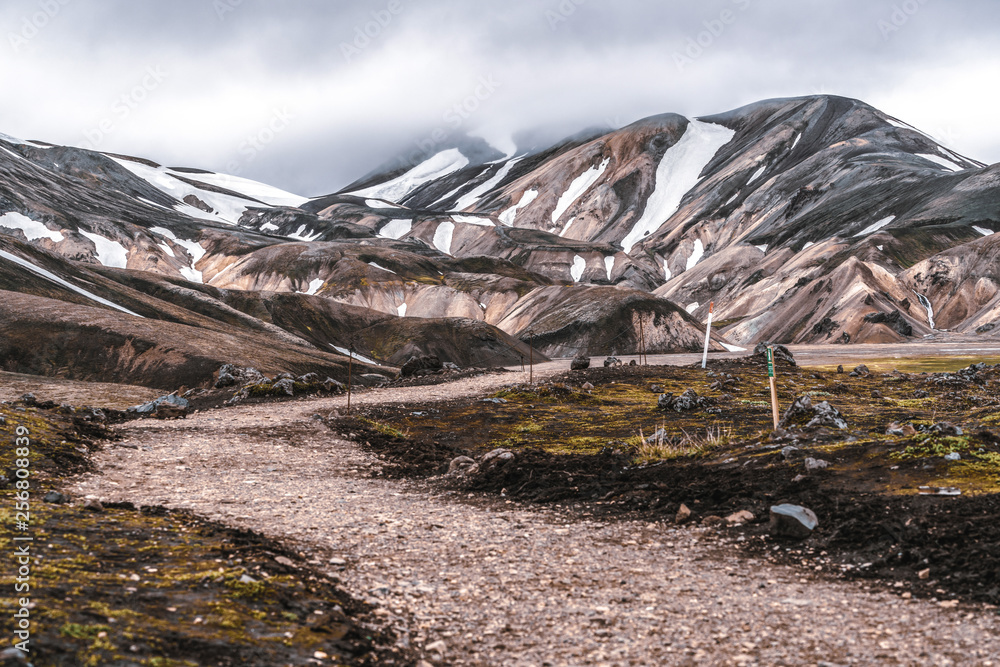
[(480, 582)]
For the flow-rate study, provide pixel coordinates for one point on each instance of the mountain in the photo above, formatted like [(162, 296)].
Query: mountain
[(815, 219)]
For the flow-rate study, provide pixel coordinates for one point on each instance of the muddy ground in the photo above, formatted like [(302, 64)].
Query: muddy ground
[(578, 448)]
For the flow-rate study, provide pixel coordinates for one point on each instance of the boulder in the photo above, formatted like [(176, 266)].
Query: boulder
[(815, 464), (333, 386), (737, 518), (792, 521), (612, 361), (162, 407), (686, 402), (896, 428), (462, 465), (580, 363), (781, 353), (286, 385), (860, 371), (496, 459), (429, 363), (946, 429), (683, 514), (803, 413)]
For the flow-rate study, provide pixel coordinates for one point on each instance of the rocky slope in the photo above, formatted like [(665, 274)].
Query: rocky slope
[(816, 219)]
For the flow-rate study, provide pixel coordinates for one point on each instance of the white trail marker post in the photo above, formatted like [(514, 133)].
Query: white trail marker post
[(708, 335), (774, 389)]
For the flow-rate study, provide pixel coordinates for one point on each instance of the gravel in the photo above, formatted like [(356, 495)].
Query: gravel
[(474, 580)]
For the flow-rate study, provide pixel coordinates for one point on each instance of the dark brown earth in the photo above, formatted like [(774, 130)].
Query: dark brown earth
[(874, 525)]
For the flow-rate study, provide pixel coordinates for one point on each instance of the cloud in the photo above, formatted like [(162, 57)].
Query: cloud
[(356, 81)]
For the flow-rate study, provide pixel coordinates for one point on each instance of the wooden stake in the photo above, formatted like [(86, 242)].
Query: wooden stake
[(642, 344), (774, 389), (531, 357), (708, 335), (350, 364)]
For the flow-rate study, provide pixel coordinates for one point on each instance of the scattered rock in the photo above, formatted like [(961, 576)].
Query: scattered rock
[(496, 459), (286, 385), (815, 464), (686, 402), (29, 399), (333, 386), (633, 363), (789, 451), (580, 363), (462, 465), (308, 378), (164, 407), (877, 394), (900, 429), (586, 386), (840, 369), (93, 505), (946, 429), (921, 393), (373, 378), (683, 514), (792, 521), (860, 371), (953, 456), (422, 365), (986, 328), (781, 353), (225, 380), (806, 415), (924, 574), (656, 389), (737, 518), (56, 498), (437, 647), (712, 520), (612, 361), (11, 657)]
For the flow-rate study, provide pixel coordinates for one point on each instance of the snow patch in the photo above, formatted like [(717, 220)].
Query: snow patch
[(981, 230), (32, 228), (796, 142), (880, 247), (444, 163), (732, 199), (757, 174), (195, 249), (566, 228), (472, 197), (12, 140), (942, 161), (871, 229), (609, 264), (443, 236), (762, 248), (473, 220), (303, 234), (666, 271), (167, 249), (381, 268), (251, 189), (678, 172), (734, 348), (109, 253), (314, 286), (578, 188), (401, 311), (692, 307), (808, 244), (375, 203), (354, 355), (396, 229), (269, 227), (579, 266), (59, 281), (507, 217), (696, 254)]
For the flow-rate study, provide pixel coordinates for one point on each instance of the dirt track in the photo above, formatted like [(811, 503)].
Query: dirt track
[(481, 582)]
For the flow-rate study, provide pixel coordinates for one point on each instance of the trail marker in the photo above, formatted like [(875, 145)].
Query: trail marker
[(774, 389), (350, 364), (708, 335), (642, 344)]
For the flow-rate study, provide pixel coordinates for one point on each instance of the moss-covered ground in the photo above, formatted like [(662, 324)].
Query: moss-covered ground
[(127, 586)]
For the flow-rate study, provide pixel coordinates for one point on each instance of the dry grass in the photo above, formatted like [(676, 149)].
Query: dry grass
[(662, 447)]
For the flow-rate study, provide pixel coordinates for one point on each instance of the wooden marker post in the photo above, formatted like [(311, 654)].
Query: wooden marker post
[(531, 357), (708, 335), (350, 364), (774, 389), (642, 344)]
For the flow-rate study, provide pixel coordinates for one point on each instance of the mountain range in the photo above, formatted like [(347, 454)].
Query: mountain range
[(809, 220)]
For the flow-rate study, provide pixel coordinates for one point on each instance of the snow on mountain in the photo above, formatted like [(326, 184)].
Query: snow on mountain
[(678, 172), (109, 253), (440, 165), (508, 216), (473, 196), (32, 228), (443, 236), (578, 188)]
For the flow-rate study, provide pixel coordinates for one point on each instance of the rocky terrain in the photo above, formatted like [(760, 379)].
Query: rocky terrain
[(817, 219)]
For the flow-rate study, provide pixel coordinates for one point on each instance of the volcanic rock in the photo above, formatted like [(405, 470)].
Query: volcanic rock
[(792, 521), (424, 364), (802, 413), (580, 363)]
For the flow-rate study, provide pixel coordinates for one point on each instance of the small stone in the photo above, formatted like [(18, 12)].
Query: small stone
[(789, 451), (946, 429), (460, 465), (815, 464), (954, 456), (741, 517), (319, 655), (656, 389), (337, 561), (799, 478), (792, 521), (247, 579), (587, 386), (282, 560), (93, 505), (920, 393), (840, 369), (924, 574), (55, 498), (907, 595), (13, 656), (712, 520), (437, 647), (683, 514), (580, 363)]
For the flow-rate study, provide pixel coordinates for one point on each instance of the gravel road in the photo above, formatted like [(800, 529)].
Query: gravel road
[(478, 581)]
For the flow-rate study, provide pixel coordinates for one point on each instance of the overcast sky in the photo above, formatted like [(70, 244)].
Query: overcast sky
[(311, 94)]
